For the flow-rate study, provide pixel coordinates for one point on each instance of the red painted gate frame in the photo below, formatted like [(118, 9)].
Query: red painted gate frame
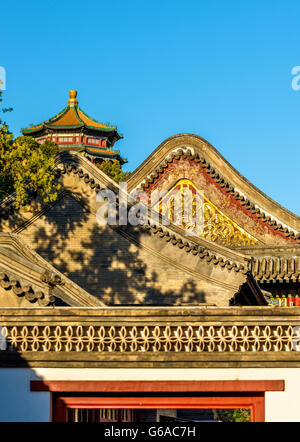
[(168, 394)]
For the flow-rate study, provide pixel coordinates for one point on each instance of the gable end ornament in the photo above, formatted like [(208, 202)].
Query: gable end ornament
[(222, 182)]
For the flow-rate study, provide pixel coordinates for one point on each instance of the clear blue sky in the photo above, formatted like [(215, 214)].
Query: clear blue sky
[(219, 69)]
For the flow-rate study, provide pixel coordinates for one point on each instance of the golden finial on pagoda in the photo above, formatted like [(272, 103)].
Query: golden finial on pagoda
[(72, 100)]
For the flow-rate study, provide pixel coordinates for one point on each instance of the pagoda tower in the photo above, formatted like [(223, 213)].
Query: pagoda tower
[(72, 129)]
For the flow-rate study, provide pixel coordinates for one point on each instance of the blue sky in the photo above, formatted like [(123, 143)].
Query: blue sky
[(219, 69)]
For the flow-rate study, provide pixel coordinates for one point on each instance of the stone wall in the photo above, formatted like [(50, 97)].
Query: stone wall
[(113, 268)]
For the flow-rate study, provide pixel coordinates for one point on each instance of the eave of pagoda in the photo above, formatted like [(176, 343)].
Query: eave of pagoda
[(193, 156), (83, 128), (79, 126)]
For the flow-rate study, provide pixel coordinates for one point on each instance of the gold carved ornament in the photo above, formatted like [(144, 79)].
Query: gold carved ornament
[(186, 206)]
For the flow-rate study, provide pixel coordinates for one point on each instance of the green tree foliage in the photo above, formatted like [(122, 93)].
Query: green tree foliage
[(235, 415), (26, 166), (113, 170), (6, 181)]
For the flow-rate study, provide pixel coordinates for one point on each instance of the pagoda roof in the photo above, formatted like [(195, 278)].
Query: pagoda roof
[(72, 117)]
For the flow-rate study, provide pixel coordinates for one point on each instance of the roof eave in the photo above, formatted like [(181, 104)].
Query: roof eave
[(55, 127), (32, 130), (102, 129)]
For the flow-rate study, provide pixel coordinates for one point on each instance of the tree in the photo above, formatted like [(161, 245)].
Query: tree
[(26, 166), (4, 109), (234, 415), (113, 170)]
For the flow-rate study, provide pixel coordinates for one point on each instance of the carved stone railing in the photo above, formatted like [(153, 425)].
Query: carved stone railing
[(182, 336), (151, 339)]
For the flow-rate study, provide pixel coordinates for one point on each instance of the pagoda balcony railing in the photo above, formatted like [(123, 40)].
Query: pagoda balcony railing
[(150, 336)]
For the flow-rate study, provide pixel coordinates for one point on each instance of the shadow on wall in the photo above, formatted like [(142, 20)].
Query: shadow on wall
[(17, 402), (106, 264)]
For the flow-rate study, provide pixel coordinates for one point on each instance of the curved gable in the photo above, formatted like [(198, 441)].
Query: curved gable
[(187, 156)]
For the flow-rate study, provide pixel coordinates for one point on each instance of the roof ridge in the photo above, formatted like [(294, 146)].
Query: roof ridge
[(77, 115), (94, 120), (43, 123), (57, 116), (70, 289)]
